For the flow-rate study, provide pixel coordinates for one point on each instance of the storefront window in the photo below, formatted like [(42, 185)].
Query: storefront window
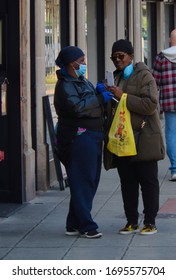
[(169, 22), (144, 33), (52, 41)]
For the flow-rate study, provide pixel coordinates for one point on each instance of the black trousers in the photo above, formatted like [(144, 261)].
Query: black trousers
[(134, 175)]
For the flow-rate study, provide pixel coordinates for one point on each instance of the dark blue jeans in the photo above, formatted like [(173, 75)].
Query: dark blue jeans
[(83, 177)]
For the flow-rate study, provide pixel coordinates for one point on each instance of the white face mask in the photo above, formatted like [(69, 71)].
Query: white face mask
[(82, 69)]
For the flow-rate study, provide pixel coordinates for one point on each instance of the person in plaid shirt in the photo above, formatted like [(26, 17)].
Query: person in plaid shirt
[(164, 72), (1, 155)]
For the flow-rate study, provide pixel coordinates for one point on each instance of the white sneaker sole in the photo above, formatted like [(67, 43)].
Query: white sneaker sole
[(172, 179), (98, 235), (69, 233), (148, 233), (129, 232)]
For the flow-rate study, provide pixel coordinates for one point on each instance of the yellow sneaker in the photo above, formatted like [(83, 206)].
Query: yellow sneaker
[(148, 229), (129, 229)]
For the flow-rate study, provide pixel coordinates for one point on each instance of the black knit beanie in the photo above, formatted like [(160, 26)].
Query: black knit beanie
[(122, 45), (67, 55)]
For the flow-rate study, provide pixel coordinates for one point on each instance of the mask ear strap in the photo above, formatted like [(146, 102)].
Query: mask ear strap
[(77, 63), (71, 64)]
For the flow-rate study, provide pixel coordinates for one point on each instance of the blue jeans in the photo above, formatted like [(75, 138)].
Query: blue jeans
[(83, 177), (170, 134)]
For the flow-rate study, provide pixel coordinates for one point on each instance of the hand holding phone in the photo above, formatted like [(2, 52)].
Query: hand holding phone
[(110, 78)]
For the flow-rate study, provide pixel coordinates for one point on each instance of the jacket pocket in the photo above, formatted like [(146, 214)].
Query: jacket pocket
[(149, 146)]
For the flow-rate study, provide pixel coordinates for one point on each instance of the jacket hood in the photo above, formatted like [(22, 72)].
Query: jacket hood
[(170, 54), (139, 66)]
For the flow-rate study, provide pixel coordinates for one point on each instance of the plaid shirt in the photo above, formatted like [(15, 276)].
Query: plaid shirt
[(164, 73)]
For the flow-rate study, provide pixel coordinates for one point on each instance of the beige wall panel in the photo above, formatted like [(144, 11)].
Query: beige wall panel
[(42, 177), (72, 22), (110, 31), (137, 39), (160, 27), (81, 24), (28, 152)]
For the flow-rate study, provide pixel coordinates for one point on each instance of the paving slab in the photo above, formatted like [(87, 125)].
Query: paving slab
[(46, 236), (150, 253), (36, 253), (37, 231), (92, 253), (10, 235)]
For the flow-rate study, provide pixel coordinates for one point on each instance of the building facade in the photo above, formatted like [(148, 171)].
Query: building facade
[(31, 34)]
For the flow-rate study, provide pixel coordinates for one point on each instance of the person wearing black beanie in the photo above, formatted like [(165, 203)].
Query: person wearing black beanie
[(79, 135), (122, 45), (67, 55), (141, 170)]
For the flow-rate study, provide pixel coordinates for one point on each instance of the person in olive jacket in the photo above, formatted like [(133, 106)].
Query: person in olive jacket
[(140, 170), (80, 134)]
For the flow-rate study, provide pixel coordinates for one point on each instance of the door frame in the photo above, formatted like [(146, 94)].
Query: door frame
[(13, 192)]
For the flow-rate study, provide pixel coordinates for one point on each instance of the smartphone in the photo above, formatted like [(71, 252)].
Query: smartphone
[(110, 78)]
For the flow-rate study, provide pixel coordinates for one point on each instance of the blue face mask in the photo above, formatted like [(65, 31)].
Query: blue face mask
[(82, 70), (128, 70)]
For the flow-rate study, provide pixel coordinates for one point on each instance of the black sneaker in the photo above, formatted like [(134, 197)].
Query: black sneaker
[(92, 234), (71, 232)]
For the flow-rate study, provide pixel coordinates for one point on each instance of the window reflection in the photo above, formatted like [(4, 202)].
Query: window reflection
[(144, 33), (52, 41), (4, 99)]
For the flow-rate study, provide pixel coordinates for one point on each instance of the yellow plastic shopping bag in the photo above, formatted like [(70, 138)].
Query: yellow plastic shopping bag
[(121, 138)]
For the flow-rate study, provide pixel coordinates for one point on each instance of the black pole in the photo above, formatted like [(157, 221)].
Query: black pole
[(100, 40), (153, 31), (33, 83), (64, 19)]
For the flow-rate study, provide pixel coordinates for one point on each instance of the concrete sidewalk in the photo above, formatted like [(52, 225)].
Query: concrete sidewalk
[(36, 231)]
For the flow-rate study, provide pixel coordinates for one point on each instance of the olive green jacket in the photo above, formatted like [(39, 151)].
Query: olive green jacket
[(142, 102)]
